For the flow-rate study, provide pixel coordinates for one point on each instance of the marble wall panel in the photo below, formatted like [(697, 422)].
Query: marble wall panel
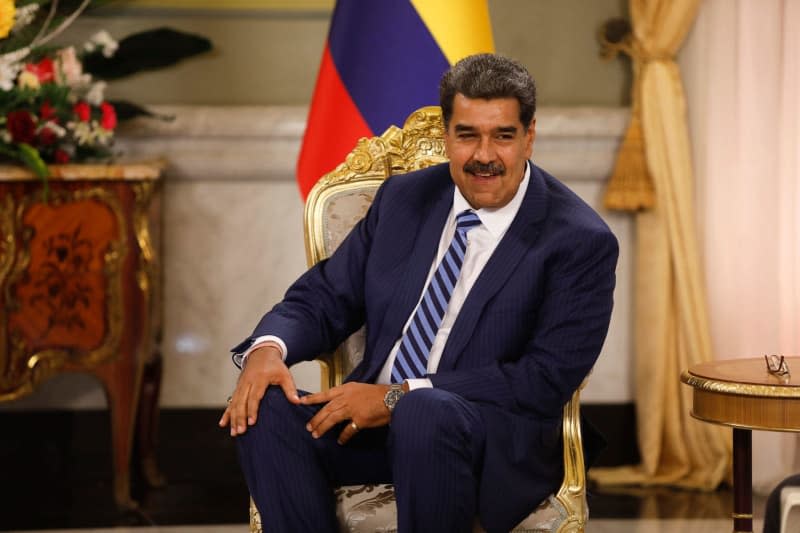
[(231, 250)]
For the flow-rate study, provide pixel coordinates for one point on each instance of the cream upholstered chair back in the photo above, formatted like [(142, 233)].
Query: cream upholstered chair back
[(341, 198), (336, 203)]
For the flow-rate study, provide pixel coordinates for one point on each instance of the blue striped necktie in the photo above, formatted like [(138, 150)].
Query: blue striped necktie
[(412, 357)]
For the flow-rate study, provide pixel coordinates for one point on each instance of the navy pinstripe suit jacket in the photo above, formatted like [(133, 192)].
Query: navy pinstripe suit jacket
[(530, 329)]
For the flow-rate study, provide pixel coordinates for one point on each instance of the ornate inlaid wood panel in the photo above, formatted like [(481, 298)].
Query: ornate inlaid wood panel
[(80, 282)]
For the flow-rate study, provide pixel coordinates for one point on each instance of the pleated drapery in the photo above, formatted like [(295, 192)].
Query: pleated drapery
[(671, 317)]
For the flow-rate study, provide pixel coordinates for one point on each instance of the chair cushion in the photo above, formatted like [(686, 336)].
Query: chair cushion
[(371, 508)]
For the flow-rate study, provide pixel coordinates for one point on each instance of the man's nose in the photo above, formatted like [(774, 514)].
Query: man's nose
[(484, 152)]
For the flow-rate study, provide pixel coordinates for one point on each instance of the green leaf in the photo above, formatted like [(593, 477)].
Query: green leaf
[(147, 50), (31, 158), (127, 110)]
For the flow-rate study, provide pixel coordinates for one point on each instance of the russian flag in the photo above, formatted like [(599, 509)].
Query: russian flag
[(382, 60)]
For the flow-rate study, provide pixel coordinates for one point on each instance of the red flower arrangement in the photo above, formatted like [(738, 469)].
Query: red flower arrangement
[(51, 108), (52, 112)]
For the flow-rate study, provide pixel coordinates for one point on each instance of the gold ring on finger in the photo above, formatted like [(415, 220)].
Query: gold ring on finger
[(354, 425)]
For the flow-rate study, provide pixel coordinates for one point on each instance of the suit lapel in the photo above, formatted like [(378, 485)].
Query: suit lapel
[(517, 241)]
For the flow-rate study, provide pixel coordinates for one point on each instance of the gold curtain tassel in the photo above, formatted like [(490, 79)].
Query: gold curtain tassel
[(630, 187)]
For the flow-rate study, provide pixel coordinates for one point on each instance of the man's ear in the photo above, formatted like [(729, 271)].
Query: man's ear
[(531, 137)]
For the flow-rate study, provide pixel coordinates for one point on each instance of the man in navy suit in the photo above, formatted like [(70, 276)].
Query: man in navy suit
[(459, 402)]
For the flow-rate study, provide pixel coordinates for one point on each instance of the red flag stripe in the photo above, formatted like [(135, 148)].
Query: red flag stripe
[(334, 122)]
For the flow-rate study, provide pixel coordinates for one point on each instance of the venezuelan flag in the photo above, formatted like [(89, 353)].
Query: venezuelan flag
[(382, 60)]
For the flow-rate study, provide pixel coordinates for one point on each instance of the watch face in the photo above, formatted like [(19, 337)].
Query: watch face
[(392, 397)]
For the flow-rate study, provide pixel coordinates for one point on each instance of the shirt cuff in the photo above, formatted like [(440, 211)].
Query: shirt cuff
[(261, 341), (419, 383)]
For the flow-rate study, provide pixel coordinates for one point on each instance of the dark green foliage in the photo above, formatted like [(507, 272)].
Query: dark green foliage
[(147, 50), (127, 110)]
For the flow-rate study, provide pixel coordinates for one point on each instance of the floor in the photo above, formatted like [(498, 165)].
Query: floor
[(594, 526), (55, 475)]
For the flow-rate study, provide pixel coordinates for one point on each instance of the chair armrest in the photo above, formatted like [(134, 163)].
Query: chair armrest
[(572, 493)]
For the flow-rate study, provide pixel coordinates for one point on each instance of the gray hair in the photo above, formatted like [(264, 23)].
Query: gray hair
[(488, 76)]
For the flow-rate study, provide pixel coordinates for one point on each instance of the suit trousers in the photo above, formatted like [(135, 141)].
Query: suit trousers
[(432, 451)]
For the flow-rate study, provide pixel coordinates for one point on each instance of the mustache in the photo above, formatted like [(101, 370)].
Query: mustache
[(475, 167)]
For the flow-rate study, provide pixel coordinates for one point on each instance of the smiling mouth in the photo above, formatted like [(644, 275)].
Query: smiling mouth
[(483, 178), (482, 171)]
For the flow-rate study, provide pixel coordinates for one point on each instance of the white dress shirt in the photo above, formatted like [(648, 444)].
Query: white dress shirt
[(481, 243)]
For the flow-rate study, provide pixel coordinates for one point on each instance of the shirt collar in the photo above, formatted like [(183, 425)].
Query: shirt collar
[(496, 219)]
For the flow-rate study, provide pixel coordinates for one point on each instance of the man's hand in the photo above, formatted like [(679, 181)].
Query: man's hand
[(360, 403), (264, 367)]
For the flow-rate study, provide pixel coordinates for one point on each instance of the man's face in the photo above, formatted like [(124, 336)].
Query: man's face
[(487, 146)]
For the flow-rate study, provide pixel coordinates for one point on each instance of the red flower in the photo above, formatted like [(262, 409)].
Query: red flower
[(44, 70), (47, 136), (109, 119), (21, 126), (83, 111), (46, 111), (60, 156)]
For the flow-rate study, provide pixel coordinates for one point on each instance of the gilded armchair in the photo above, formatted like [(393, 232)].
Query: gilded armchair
[(335, 204)]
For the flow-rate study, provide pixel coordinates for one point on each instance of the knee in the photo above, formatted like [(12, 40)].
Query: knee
[(274, 403), (275, 414), (428, 416), (427, 405)]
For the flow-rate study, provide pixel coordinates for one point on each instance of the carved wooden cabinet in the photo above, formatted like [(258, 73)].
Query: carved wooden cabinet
[(80, 282)]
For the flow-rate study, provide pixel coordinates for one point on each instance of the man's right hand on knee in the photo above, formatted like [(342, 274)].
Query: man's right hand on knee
[(264, 367)]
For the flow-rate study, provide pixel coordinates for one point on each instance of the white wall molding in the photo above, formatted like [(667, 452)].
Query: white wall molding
[(214, 143)]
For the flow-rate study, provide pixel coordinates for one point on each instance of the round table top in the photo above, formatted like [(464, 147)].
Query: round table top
[(745, 377)]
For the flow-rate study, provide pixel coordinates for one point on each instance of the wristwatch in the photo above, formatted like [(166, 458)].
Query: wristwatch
[(393, 396)]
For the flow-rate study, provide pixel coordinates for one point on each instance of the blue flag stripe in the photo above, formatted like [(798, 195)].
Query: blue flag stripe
[(386, 58)]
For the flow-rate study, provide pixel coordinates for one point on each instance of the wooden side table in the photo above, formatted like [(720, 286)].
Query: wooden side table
[(741, 393), (80, 284)]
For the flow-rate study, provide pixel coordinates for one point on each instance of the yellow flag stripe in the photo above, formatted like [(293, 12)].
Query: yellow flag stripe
[(459, 27)]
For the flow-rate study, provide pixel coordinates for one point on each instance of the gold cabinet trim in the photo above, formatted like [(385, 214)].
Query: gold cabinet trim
[(147, 276), (45, 363), (7, 253), (81, 172)]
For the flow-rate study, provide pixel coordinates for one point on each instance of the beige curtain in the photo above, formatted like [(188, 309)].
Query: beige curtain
[(742, 71), (671, 322)]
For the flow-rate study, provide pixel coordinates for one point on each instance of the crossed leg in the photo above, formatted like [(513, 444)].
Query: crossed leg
[(432, 451)]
